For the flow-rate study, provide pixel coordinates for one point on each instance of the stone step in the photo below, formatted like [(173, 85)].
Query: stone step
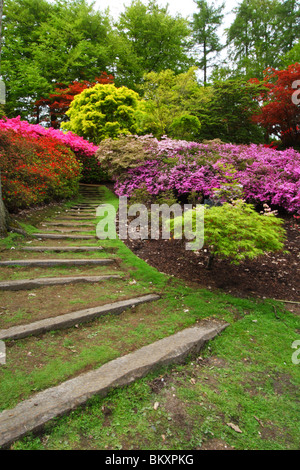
[(87, 205), (66, 230), (56, 262), (32, 414), (58, 224), (59, 249), (91, 199), (81, 212), (70, 319), (85, 208), (26, 284), (55, 236), (78, 211), (75, 218)]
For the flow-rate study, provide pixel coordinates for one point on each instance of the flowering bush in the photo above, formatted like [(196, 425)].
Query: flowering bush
[(265, 174), (84, 150), (35, 170)]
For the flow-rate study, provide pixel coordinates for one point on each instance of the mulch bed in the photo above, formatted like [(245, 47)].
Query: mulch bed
[(275, 276)]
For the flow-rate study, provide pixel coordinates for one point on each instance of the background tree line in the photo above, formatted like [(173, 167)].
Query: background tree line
[(52, 48)]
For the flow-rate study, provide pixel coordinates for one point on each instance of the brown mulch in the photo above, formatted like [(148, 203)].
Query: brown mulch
[(275, 276)]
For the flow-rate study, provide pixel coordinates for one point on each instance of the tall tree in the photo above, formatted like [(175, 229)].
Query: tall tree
[(280, 113), (52, 110), (205, 25), (288, 19), (154, 41), (262, 31), (167, 97), (49, 42)]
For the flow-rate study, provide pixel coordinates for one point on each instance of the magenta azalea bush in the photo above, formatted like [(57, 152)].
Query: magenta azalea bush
[(265, 175), (84, 150)]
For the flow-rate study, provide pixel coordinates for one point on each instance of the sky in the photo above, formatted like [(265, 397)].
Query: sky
[(185, 8)]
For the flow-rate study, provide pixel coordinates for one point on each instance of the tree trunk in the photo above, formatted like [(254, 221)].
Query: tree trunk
[(210, 261)]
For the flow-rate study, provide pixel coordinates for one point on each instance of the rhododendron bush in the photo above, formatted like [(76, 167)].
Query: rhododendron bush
[(35, 169), (84, 150), (265, 175)]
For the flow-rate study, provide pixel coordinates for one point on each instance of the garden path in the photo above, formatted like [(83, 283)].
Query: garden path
[(27, 274)]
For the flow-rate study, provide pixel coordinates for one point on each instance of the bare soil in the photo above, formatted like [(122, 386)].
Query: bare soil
[(275, 276)]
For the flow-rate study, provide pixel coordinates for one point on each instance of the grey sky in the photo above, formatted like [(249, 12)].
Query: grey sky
[(184, 7)]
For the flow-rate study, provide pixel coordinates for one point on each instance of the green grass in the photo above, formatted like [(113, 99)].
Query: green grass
[(254, 388), (245, 376)]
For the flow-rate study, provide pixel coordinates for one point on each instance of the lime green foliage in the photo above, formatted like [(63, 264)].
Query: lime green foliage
[(168, 96), (103, 111), (236, 231)]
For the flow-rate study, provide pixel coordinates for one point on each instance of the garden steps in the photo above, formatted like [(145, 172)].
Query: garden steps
[(55, 236), (30, 421), (59, 249), (28, 284), (66, 230), (57, 262), (64, 225), (68, 320), (74, 218), (32, 414), (85, 205), (79, 211)]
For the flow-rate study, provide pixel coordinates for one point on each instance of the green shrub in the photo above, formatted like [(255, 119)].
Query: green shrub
[(236, 231), (103, 111)]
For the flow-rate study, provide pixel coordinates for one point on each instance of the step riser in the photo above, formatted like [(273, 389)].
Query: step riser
[(28, 284), (64, 237), (55, 262), (74, 218), (69, 249), (31, 415), (70, 319), (62, 230)]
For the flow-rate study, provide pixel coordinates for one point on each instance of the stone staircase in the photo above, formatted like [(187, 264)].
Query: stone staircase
[(67, 228)]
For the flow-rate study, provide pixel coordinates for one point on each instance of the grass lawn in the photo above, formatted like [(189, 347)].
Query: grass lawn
[(241, 392)]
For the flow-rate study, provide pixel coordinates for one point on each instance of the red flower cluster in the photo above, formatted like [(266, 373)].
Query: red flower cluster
[(35, 170), (58, 103)]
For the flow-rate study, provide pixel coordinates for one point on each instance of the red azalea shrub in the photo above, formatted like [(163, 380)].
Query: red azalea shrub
[(35, 171), (84, 150), (280, 113), (58, 103)]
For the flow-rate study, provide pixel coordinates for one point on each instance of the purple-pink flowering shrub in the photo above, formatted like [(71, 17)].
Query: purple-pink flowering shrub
[(84, 150), (265, 174)]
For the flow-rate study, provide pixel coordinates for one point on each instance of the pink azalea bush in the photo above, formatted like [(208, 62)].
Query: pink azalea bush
[(76, 143), (85, 151), (265, 175)]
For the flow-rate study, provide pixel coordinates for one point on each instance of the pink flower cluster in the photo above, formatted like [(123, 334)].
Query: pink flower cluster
[(73, 141), (265, 174)]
